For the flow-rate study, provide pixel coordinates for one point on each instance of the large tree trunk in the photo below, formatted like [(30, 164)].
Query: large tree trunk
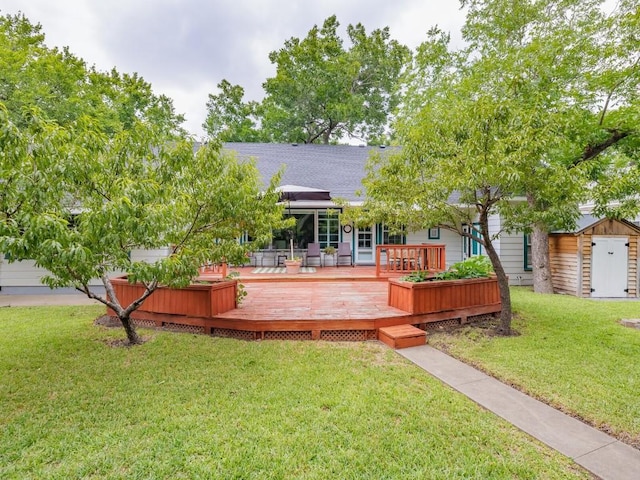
[(503, 281), (542, 280)]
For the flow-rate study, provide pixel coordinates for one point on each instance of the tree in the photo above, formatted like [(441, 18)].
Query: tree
[(476, 131), (229, 118), (579, 65), (64, 89), (322, 92), (462, 161), (107, 196)]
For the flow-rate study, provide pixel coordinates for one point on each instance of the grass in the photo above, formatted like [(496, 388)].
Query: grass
[(191, 406), (572, 353)]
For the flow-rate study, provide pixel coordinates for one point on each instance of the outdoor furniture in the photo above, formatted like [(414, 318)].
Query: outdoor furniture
[(281, 258), (344, 251), (313, 251), (270, 256)]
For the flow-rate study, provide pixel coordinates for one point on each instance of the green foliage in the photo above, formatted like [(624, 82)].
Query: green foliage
[(128, 196), (513, 123), (572, 353), (229, 119), (473, 267), (241, 292), (321, 92), (192, 406), (64, 89)]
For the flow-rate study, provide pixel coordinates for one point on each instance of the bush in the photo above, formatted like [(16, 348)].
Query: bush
[(472, 267)]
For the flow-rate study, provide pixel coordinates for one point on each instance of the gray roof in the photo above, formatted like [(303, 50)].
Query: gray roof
[(336, 168), (586, 221)]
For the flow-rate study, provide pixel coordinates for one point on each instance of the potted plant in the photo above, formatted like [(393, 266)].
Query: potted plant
[(293, 265), (329, 250)]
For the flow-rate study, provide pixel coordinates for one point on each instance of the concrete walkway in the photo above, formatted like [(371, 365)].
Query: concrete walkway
[(46, 300), (597, 452)]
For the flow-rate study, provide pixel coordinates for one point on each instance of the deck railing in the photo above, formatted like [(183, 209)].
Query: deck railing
[(403, 259)]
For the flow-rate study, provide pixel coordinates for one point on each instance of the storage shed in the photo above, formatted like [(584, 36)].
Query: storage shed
[(599, 259)]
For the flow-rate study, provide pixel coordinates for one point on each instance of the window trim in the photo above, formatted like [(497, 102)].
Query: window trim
[(526, 248)]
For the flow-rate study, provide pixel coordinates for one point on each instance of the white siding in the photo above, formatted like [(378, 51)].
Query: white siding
[(23, 274), (494, 228), (451, 240), (26, 274), (512, 257), (149, 256)]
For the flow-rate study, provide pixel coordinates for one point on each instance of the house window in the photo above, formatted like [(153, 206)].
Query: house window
[(302, 233), (434, 233), (328, 229), (365, 238), (528, 263), (392, 238)]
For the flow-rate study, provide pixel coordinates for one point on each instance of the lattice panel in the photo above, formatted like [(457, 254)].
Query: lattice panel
[(443, 324), (237, 334), (287, 335), (372, 334), (144, 323), (487, 317), (176, 327), (345, 335)]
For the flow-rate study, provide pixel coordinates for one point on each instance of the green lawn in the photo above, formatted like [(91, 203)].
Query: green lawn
[(571, 353), (190, 406)]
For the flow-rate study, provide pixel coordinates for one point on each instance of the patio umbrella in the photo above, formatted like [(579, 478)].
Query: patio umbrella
[(292, 193)]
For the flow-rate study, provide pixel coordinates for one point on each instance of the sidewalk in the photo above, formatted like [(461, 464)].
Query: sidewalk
[(597, 452), (45, 300)]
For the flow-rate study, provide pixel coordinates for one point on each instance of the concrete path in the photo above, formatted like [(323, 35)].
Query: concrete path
[(597, 452), (45, 300)]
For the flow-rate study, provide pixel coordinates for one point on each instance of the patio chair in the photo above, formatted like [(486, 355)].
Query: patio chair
[(313, 251), (344, 250), (270, 257)]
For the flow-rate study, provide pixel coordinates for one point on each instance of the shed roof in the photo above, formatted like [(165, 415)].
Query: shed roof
[(588, 221)]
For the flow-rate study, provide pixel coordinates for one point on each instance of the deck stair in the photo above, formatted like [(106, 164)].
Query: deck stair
[(402, 336)]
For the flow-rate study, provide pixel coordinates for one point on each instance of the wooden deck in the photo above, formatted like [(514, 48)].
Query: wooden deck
[(335, 304)]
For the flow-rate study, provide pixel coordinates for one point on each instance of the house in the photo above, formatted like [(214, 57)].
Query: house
[(338, 169), (599, 258)]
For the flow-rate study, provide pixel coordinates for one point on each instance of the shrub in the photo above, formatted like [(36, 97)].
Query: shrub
[(472, 267)]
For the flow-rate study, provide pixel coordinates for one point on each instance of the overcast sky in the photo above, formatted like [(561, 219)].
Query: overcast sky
[(184, 48)]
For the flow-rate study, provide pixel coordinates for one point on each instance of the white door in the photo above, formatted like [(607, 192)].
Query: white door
[(609, 266), (365, 246)]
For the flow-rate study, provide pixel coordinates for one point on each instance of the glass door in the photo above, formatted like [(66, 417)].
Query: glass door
[(365, 246)]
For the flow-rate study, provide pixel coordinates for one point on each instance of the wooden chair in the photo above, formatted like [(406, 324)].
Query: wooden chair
[(344, 250), (313, 251)]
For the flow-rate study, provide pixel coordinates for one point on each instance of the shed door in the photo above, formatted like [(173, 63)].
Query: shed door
[(609, 266)]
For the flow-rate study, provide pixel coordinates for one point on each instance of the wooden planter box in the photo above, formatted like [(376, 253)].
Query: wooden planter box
[(202, 300), (454, 298)]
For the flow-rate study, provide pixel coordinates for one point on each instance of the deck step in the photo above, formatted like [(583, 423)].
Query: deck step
[(402, 336)]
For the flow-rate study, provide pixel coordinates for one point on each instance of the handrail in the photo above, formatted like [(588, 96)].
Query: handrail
[(404, 259)]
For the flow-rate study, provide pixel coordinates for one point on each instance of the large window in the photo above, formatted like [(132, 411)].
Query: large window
[(328, 229), (302, 233)]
